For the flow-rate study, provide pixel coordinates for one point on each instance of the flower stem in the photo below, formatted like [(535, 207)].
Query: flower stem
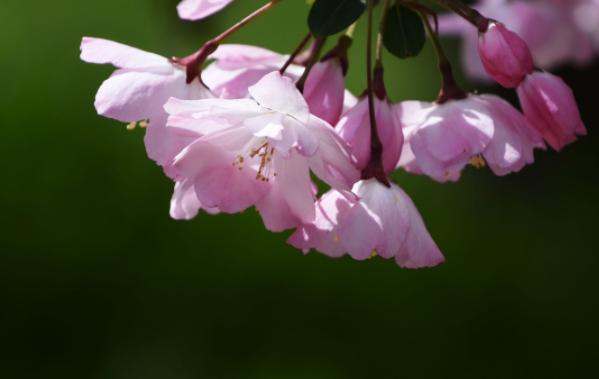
[(295, 53), (312, 59), (380, 35), (194, 62), (450, 90), (466, 12), (374, 169)]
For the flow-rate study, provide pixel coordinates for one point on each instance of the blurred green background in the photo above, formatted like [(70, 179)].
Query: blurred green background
[(96, 281)]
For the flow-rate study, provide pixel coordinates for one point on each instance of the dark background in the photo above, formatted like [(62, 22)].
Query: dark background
[(96, 281)]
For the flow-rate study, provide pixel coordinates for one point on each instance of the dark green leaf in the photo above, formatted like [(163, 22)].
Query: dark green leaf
[(404, 32), (328, 17)]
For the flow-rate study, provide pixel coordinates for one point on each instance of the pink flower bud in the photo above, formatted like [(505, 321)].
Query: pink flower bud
[(550, 107), (354, 128), (324, 90), (505, 56)]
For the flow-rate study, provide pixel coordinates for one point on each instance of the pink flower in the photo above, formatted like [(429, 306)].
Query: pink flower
[(550, 107), (514, 140), (443, 138), (260, 151), (380, 220), (138, 91), (325, 89), (237, 67), (199, 9), (354, 127), (504, 55)]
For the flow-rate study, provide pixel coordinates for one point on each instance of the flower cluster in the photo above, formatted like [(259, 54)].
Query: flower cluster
[(255, 128)]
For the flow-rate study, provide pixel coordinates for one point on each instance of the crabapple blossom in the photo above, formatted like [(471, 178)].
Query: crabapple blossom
[(550, 107), (199, 9), (504, 55), (441, 139), (137, 91), (377, 219), (260, 151)]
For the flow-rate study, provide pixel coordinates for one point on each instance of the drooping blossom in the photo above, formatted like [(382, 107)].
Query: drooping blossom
[(354, 127), (138, 90), (441, 139), (260, 151), (551, 29), (378, 219), (550, 107), (199, 9), (505, 56)]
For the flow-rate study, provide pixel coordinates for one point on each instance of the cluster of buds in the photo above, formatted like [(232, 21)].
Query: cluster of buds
[(254, 128)]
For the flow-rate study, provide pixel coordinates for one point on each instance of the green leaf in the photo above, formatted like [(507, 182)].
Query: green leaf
[(404, 32), (328, 17)]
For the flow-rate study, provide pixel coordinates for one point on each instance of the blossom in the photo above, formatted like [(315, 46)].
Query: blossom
[(441, 139), (138, 90), (504, 55), (378, 219), (260, 151), (324, 90), (199, 9), (354, 127), (550, 107)]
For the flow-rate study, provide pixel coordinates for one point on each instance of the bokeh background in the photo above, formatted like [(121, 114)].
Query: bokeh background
[(96, 281)]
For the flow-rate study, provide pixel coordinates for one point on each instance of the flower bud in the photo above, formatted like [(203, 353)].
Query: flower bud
[(550, 107), (505, 56), (324, 90)]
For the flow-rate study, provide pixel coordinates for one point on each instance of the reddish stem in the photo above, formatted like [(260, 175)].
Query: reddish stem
[(195, 61)]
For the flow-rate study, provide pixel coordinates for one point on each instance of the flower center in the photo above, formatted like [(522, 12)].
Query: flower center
[(478, 161), (264, 154)]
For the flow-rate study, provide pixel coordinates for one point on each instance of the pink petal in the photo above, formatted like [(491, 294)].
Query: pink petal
[(198, 9), (102, 51), (236, 56), (279, 94)]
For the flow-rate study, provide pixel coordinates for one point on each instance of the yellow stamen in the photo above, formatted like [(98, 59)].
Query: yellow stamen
[(478, 161)]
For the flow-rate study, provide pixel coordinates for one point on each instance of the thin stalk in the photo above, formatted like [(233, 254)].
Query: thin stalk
[(312, 59), (450, 90), (295, 53), (380, 35), (374, 169), (194, 62), (466, 12)]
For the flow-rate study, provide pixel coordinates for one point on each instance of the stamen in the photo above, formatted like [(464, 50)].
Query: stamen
[(142, 124), (265, 154), (478, 161)]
